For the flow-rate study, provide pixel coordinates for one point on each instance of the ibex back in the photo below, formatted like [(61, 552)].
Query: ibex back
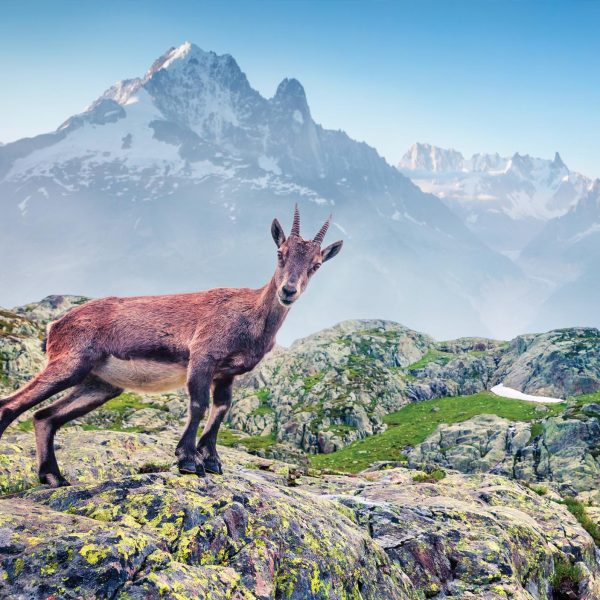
[(157, 343)]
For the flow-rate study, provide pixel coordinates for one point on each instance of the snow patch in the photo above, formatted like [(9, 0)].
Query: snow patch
[(269, 164), (507, 392)]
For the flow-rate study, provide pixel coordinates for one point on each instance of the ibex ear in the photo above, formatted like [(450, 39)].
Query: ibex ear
[(277, 232), (331, 250)]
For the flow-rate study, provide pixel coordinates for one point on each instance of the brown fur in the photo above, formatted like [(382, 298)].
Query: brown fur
[(155, 343)]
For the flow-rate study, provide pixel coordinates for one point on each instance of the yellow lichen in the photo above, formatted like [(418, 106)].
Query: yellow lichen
[(92, 553)]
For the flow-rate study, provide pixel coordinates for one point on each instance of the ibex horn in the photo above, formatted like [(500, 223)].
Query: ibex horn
[(321, 235), (296, 223)]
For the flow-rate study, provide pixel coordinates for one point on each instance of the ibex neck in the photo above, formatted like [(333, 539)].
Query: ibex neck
[(272, 311)]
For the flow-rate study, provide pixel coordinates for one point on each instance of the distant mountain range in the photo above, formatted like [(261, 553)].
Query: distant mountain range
[(503, 200), (169, 182), (537, 212)]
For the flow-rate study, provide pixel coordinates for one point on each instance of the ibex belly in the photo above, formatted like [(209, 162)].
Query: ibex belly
[(142, 375)]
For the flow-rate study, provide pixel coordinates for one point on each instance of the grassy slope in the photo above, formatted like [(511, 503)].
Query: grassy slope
[(413, 423)]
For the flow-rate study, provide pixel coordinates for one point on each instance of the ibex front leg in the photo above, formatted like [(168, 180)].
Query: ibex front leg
[(198, 385), (207, 446)]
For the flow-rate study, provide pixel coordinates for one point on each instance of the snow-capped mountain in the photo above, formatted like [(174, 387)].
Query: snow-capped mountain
[(169, 182), (505, 201)]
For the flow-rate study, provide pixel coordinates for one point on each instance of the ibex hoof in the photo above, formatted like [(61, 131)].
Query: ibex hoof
[(191, 467), (213, 466), (53, 480)]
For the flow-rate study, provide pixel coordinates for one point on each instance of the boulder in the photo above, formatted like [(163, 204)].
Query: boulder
[(563, 451), (559, 363)]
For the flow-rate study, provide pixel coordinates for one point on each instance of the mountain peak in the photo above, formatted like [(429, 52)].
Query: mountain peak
[(290, 87), (426, 157), (186, 55), (291, 97), (558, 161)]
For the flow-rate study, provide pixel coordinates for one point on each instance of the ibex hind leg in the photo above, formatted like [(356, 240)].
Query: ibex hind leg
[(207, 446), (88, 395), (58, 375)]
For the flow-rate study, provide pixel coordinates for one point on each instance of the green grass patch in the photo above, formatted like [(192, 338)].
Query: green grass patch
[(251, 443), (436, 356), (113, 427), (565, 578), (130, 401), (432, 477), (584, 399), (264, 408), (26, 425), (257, 442), (226, 437), (577, 509), (311, 380), (415, 422), (536, 430), (263, 394), (540, 490)]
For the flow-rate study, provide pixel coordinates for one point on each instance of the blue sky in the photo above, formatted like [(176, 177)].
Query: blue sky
[(477, 76)]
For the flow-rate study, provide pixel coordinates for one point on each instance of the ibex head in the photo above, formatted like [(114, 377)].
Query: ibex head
[(298, 259)]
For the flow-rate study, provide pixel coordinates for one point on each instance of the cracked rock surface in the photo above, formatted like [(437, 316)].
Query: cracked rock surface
[(121, 532), (564, 451)]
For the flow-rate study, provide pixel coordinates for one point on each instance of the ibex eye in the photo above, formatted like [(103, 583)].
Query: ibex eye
[(316, 267), (280, 256)]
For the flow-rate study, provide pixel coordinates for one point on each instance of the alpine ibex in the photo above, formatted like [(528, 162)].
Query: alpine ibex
[(158, 343)]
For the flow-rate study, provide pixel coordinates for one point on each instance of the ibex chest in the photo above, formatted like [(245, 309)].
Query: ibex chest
[(244, 360), (238, 363)]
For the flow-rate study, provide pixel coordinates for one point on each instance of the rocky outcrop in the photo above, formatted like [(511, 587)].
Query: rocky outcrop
[(475, 537), (332, 388), (562, 452), (137, 529), (560, 363), (50, 308), (20, 350)]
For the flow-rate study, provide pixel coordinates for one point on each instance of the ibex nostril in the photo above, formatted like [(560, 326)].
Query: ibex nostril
[(289, 290)]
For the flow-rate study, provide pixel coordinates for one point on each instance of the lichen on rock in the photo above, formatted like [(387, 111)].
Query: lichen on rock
[(384, 534)]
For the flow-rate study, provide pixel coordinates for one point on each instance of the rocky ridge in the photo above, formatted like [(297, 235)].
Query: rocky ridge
[(133, 528), (336, 387)]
